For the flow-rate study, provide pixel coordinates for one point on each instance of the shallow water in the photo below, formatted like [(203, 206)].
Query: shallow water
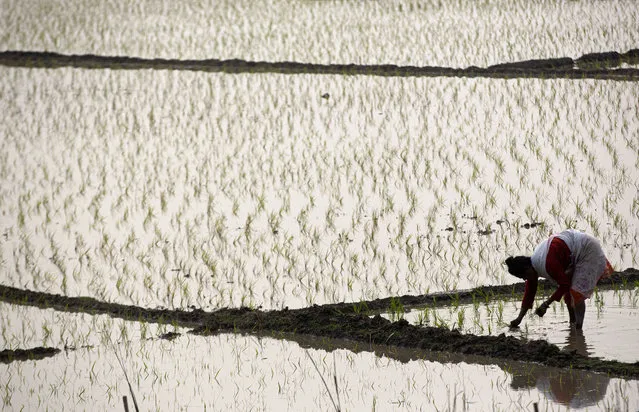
[(452, 33), (173, 189), (610, 331), (178, 189), (233, 372), (26, 327)]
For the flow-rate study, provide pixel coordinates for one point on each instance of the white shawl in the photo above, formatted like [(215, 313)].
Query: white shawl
[(574, 239)]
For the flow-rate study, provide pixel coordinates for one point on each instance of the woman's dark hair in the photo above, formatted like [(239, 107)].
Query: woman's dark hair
[(518, 265)]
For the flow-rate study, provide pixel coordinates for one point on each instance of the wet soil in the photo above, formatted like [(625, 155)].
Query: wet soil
[(8, 356), (591, 66), (351, 321), (522, 372), (627, 279)]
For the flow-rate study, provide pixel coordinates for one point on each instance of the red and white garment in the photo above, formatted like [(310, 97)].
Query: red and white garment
[(574, 260)]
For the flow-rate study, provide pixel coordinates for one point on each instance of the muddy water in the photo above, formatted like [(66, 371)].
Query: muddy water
[(231, 372), (610, 331)]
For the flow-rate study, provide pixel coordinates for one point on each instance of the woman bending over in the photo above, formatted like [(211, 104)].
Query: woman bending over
[(572, 259)]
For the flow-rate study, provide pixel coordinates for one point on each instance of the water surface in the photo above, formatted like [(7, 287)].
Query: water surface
[(610, 330)]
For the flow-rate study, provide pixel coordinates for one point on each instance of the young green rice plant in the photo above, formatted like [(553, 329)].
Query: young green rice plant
[(598, 300), (461, 314), (634, 298), (274, 221), (476, 303), (500, 311), (423, 316), (248, 228), (236, 207), (396, 309), (439, 321), (47, 334), (455, 300), (330, 219), (401, 227)]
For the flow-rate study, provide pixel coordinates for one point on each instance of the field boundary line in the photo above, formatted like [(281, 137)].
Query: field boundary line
[(601, 66), (330, 322)]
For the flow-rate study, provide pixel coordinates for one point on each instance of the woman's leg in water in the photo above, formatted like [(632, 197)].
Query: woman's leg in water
[(580, 311), (571, 313)]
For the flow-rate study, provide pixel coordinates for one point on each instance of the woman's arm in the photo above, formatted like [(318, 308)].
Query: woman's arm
[(563, 290), (515, 322), (527, 301)]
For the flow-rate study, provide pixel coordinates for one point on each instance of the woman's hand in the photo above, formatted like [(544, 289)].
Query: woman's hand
[(522, 312), (541, 310)]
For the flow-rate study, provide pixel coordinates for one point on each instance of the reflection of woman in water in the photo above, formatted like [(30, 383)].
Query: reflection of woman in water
[(576, 342), (576, 389), (574, 260)]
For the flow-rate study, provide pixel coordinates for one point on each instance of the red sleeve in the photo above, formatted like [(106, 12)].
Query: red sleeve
[(529, 294), (557, 262)]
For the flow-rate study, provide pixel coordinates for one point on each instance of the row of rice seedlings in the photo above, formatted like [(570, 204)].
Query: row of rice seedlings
[(259, 220), (298, 34)]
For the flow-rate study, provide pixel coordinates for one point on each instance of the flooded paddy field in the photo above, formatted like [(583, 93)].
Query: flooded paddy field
[(611, 327), (405, 32), (238, 241), (345, 321), (182, 189), (174, 370)]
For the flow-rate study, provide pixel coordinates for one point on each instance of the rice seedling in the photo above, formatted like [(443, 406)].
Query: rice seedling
[(396, 309), (331, 202)]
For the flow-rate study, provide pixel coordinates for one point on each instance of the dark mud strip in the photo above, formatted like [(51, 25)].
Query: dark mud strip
[(92, 306), (330, 321), (607, 59), (8, 356), (579, 384), (628, 279), (545, 69)]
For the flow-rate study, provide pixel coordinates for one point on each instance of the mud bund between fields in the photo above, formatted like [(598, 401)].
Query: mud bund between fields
[(604, 65), (358, 322)]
